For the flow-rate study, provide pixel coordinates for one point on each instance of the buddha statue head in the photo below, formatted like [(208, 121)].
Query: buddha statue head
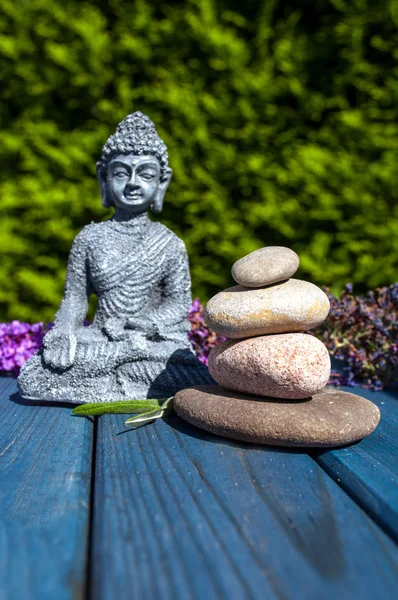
[(133, 172)]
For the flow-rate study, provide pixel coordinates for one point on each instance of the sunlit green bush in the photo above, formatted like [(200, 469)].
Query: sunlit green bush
[(280, 117)]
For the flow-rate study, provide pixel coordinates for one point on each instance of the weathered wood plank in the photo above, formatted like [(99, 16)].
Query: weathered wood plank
[(183, 514), (368, 471), (45, 469)]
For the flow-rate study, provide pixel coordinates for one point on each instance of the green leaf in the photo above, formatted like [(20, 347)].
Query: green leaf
[(144, 418), (150, 416), (122, 407)]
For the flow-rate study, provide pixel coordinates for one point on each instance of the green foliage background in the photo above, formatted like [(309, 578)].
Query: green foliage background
[(280, 117)]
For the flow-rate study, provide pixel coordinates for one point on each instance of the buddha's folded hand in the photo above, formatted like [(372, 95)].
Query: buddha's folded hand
[(141, 324), (115, 329), (59, 348)]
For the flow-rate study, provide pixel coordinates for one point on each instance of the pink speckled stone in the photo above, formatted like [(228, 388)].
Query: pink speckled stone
[(292, 365), (330, 418)]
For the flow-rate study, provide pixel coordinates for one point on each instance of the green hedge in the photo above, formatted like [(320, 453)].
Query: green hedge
[(280, 117)]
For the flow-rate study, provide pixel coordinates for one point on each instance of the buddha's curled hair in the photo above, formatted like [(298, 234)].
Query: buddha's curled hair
[(136, 133)]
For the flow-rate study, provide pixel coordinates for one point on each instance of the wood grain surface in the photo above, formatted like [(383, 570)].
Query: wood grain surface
[(45, 470), (368, 471), (180, 514)]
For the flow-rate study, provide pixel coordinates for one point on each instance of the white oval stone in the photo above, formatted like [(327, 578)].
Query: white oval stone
[(292, 365), (265, 266), (240, 312)]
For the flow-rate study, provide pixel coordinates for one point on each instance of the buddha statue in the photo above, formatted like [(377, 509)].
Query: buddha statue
[(137, 345)]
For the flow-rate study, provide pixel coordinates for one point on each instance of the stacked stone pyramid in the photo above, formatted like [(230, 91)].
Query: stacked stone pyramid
[(271, 375)]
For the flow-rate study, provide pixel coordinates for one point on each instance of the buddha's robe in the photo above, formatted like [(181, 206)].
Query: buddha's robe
[(137, 345)]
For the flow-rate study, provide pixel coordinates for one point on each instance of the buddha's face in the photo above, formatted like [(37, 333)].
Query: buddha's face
[(133, 181)]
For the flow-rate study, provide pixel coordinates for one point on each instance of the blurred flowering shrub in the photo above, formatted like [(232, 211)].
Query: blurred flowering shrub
[(202, 337), (361, 331)]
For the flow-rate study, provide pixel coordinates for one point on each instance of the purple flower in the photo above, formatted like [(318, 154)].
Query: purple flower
[(18, 342)]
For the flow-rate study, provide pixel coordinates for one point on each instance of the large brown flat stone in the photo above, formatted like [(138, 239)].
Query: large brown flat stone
[(329, 418)]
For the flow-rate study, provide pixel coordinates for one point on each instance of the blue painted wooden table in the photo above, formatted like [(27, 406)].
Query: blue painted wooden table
[(89, 509)]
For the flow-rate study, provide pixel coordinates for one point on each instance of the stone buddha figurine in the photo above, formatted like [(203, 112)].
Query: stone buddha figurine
[(137, 345)]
